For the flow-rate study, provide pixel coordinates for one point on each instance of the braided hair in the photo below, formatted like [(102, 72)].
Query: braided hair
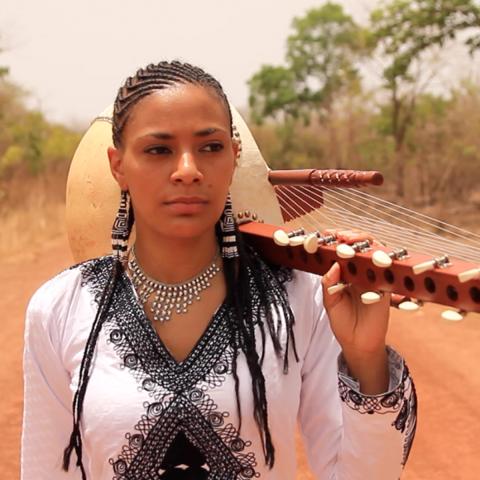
[(254, 290)]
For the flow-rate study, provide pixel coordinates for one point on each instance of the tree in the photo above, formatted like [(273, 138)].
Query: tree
[(321, 56), (322, 53), (403, 31)]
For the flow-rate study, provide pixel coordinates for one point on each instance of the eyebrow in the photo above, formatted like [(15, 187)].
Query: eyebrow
[(168, 136)]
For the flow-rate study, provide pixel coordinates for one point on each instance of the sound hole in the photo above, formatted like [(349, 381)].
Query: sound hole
[(389, 276), (371, 275), (352, 268), (475, 294), (409, 284), (452, 293), (430, 285)]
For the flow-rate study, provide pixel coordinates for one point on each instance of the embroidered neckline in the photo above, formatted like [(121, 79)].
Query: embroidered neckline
[(174, 364), (179, 402)]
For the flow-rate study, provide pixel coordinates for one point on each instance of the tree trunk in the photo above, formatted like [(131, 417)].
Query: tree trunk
[(400, 172)]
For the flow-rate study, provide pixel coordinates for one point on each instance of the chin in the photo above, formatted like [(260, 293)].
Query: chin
[(184, 229)]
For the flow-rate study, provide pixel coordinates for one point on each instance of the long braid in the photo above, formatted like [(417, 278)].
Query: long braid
[(239, 273), (75, 442)]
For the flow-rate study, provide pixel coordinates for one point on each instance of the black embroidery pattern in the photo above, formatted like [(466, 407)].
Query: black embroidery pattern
[(402, 400), (364, 404), (138, 345), (95, 274), (196, 416), (181, 413), (406, 421)]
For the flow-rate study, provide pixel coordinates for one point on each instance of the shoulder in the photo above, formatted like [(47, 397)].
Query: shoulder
[(295, 281), (306, 296), (55, 297), (303, 289), (313, 333), (306, 285)]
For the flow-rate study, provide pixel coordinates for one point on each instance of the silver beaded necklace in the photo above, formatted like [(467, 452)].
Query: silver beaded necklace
[(170, 296)]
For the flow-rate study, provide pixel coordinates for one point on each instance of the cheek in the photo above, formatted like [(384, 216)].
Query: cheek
[(145, 178)]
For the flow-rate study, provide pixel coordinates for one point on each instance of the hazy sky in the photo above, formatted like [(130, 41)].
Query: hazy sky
[(74, 54)]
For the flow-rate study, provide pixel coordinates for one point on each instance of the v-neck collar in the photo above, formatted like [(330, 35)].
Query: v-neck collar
[(142, 347), (145, 321)]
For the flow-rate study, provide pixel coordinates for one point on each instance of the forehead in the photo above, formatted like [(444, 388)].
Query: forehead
[(182, 106)]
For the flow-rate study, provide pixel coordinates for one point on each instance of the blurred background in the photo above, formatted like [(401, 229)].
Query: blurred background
[(360, 84)]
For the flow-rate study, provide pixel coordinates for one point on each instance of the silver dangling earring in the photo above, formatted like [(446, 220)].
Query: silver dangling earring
[(121, 228), (229, 237)]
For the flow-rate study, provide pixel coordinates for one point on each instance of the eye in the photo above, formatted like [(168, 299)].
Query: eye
[(212, 147), (158, 150)]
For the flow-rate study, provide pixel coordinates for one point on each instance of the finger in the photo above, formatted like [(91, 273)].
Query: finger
[(349, 236), (330, 279), (332, 276)]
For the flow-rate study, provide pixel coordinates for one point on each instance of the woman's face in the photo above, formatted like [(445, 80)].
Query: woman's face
[(177, 160)]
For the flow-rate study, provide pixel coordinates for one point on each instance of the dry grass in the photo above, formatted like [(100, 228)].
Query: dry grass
[(32, 210)]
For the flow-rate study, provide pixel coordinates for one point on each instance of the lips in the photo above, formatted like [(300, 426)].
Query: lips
[(186, 205), (186, 200)]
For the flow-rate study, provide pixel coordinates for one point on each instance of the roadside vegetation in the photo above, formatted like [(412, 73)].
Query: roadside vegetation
[(347, 95)]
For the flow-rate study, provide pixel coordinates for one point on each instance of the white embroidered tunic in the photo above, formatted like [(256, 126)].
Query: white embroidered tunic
[(148, 417)]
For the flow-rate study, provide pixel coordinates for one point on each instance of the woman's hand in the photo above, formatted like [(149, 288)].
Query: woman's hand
[(360, 329)]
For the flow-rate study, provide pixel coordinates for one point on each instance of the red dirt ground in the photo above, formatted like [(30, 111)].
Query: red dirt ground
[(443, 357)]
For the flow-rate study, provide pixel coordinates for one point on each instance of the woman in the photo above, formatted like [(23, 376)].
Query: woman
[(199, 357)]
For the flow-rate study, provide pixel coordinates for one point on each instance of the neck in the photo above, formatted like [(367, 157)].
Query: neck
[(175, 260)]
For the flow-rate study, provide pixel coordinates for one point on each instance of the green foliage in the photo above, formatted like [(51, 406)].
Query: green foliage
[(28, 142), (404, 29), (273, 92), (12, 157), (30, 135), (322, 53), (408, 133), (321, 60), (59, 144)]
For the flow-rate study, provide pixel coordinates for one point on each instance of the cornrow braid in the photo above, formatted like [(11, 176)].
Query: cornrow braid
[(156, 77), (246, 277)]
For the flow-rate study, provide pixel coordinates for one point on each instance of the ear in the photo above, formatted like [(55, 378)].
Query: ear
[(115, 158)]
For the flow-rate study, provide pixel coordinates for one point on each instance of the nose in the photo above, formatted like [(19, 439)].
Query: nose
[(186, 170)]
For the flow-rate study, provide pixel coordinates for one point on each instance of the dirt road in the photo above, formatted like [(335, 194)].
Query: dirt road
[(443, 357)]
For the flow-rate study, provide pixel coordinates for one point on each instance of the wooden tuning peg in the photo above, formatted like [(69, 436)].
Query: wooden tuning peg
[(452, 315), (338, 287), (282, 238), (345, 250), (296, 240), (313, 240), (408, 306), (384, 259), (472, 274), (369, 298), (381, 259), (310, 243), (430, 265)]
